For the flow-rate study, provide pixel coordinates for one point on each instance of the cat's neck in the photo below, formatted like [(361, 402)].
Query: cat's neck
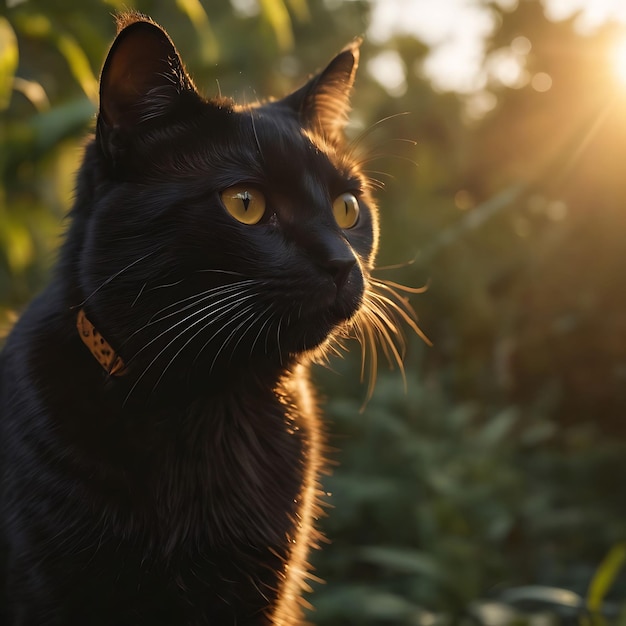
[(78, 380)]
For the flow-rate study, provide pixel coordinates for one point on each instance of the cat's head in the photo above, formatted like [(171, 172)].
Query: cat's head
[(220, 238)]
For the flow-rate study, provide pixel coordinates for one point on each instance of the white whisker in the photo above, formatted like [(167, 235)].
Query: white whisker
[(221, 307), (216, 271), (245, 311), (386, 284), (377, 326), (198, 332), (266, 310), (364, 134), (138, 295), (200, 298), (280, 356), (114, 276), (197, 298), (165, 285), (268, 319)]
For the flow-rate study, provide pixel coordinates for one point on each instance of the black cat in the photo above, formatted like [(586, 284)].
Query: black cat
[(160, 443)]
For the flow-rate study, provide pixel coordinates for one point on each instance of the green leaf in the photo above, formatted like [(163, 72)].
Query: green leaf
[(605, 576), (497, 428), (17, 244), (9, 55), (406, 562), (209, 47), (40, 26), (300, 9), (43, 131), (366, 603), (78, 63), (554, 596), (275, 12), (118, 5), (33, 92), (61, 122)]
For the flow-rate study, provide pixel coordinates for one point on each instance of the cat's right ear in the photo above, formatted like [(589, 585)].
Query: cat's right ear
[(143, 78), (323, 102)]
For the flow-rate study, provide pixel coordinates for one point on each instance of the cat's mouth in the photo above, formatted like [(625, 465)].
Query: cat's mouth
[(325, 310), (338, 297)]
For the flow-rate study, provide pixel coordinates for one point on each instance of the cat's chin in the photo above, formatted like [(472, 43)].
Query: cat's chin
[(316, 330), (336, 305)]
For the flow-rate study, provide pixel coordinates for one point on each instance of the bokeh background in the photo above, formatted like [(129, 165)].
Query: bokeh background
[(491, 488)]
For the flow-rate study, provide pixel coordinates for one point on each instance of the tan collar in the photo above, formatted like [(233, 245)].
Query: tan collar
[(99, 346)]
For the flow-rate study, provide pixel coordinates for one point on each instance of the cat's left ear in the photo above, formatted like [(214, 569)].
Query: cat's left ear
[(323, 103), (143, 78)]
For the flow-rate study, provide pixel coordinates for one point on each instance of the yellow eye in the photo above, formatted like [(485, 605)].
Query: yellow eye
[(245, 204), (346, 210)]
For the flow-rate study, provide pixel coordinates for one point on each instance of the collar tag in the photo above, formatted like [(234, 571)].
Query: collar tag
[(99, 346)]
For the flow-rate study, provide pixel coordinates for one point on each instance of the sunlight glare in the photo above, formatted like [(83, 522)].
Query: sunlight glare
[(619, 62)]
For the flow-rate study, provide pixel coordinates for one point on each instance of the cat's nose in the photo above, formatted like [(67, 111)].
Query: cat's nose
[(331, 253), (339, 268)]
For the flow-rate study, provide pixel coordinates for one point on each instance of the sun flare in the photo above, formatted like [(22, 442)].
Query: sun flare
[(619, 62)]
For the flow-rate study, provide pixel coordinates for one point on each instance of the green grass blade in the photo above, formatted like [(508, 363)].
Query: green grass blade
[(9, 55)]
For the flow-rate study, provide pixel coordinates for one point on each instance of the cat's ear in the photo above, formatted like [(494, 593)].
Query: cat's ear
[(323, 103), (143, 77)]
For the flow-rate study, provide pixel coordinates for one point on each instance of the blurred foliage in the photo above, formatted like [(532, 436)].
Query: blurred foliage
[(491, 491)]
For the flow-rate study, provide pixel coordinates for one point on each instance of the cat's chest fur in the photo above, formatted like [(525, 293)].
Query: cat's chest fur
[(177, 515), (180, 472), (229, 458)]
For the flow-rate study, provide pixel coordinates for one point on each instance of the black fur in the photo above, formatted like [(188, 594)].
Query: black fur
[(175, 494)]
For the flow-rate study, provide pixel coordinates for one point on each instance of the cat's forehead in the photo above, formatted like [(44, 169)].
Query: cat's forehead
[(277, 130), (269, 142)]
